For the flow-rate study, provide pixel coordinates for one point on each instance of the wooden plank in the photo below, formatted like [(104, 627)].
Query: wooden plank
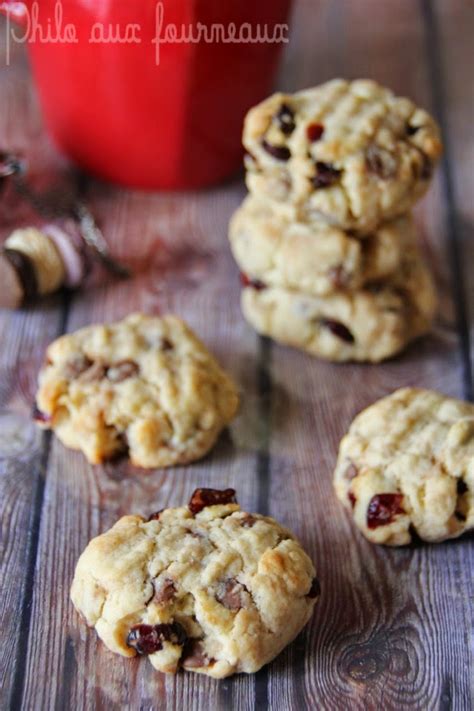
[(183, 240), (454, 26), (383, 634), (24, 336)]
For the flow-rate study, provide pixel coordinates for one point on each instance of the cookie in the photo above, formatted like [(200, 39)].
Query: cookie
[(406, 468), (369, 324), (144, 384), (317, 259), (348, 153), (206, 587)]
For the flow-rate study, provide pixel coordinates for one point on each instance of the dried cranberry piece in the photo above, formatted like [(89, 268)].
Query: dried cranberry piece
[(210, 497), (315, 589), (278, 152), (229, 594), (326, 175), (461, 487), (194, 656), (147, 639), (40, 416), (338, 329), (383, 508), (352, 499), (314, 131), (245, 280), (165, 592), (122, 371), (285, 119), (155, 516), (380, 162)]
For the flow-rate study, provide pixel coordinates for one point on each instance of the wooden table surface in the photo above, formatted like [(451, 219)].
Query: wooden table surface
[(394, 628)]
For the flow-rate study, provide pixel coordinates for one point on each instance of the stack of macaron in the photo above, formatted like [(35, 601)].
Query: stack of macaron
[(325, 240)]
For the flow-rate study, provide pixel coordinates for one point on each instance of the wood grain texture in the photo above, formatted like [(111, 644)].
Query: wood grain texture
[(393, 629), (457, 99), (24, 336)]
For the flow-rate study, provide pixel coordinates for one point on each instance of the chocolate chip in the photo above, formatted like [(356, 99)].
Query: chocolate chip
[(229, 594), (76, 365), (279, 152), (461, 487), (380, 162), (338, 329), (415, 538), (314, 131), (25, 270), (194, 656), (246, 281), (411, 130), (352, 499), (84, 369), (122, 371), (383, 508), (147, 639), (155, 516), (166, 345), (164, 592), (285, 119), (201, 498), (315, 589), (326, 175), (95, 372)]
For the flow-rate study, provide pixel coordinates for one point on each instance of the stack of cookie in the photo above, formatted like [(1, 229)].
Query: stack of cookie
[(325, 240)]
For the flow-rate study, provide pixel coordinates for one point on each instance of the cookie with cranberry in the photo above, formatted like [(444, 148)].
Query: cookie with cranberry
[(206, 587), (406, 468), (316, 259), (369, 324), (349, 153), (145, 385)]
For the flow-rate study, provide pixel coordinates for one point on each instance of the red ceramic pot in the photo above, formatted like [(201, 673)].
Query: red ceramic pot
[(129, 100)]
